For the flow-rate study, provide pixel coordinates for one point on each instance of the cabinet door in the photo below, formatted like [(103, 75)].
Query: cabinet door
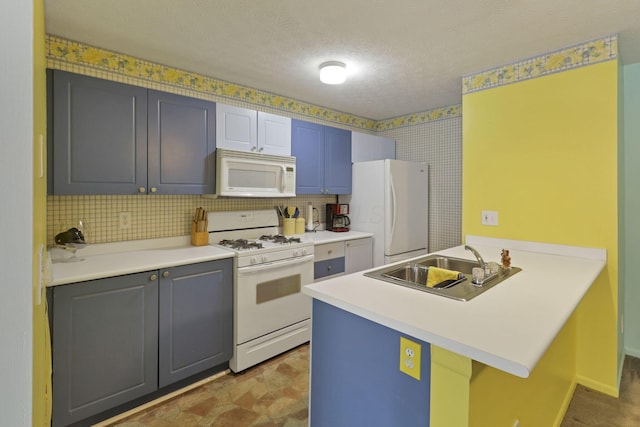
[(358, 255), (274, 134), (99, 136), (366, 147), (196, 315), (237, 128), (105, 344), (181, 145), (307, 146), (337, 166)]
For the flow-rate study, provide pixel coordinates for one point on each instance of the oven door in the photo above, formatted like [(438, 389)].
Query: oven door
[(269, 297)]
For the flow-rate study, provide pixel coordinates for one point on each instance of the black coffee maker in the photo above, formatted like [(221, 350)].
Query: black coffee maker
[(336, 217)]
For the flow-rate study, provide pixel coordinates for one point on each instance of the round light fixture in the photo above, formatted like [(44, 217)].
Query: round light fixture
[(333, 73)]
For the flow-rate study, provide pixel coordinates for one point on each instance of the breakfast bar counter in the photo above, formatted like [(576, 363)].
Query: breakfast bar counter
[(508, 327), (505, 356)]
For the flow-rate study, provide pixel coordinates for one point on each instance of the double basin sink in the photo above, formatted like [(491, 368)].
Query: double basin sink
[(414, 275)]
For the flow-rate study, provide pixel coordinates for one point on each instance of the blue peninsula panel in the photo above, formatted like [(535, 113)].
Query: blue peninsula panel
[(355, 374)]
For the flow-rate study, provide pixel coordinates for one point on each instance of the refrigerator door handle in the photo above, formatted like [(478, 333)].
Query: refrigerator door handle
[(393, 205)]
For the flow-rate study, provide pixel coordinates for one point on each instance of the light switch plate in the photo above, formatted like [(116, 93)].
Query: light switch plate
[(490, 218)]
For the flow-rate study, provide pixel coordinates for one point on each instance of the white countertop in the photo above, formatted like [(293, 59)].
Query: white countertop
[(115, 259), (324, 236), (509, 327)]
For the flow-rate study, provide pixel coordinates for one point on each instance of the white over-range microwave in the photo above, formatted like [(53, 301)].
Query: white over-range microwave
[(246, 174)]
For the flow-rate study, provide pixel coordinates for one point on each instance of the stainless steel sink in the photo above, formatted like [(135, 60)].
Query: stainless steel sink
[(414, 275)]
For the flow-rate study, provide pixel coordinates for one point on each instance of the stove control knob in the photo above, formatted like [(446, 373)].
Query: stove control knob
[(253, 260), (304, 251), (296, 253), (264, 258)]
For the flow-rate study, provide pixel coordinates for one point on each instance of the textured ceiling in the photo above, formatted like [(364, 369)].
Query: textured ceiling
[(402, 56)]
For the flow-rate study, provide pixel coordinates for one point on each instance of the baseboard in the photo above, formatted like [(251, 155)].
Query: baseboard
[(598, 386), (634, 352), (565, 404)]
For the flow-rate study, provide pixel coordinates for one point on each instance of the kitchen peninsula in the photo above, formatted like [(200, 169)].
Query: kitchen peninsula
[(475, 356)]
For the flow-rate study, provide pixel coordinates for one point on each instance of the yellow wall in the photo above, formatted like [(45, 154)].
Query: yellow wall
[(41, 359), (543, 153), (499, 399)]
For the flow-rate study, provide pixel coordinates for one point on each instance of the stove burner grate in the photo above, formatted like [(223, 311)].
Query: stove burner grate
[(279, 238), (240, 244)]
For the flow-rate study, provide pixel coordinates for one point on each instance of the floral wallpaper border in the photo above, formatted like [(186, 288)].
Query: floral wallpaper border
[(76, 53), (420, 118), (580, 55), (59, 49)]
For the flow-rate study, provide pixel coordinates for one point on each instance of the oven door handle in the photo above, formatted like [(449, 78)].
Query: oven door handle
[(270, 265)]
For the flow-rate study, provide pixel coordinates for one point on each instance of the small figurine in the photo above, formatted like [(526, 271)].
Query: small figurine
[(506, 259)]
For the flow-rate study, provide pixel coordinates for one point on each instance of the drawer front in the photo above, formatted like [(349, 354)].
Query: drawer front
[(328, 251), (328, 267)]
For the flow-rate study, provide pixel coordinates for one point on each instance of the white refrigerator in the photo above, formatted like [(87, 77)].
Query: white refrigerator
[(389, 198)]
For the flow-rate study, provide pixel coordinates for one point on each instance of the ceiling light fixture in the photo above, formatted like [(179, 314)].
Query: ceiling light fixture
[(333, 73)]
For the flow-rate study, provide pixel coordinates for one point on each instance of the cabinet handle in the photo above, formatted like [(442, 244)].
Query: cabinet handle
[(260, 149), (154, 189), (254, 148), (142, 190), (153, 277), (165, 274), (330, 251), (329, 267)]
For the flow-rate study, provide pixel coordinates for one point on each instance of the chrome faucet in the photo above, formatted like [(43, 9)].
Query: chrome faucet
[(478, 257)]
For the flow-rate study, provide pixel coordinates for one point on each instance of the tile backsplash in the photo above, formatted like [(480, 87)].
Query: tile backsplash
[(151, 216)]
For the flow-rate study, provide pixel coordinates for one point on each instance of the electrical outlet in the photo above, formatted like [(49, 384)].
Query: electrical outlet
[(410, 357), (489, 217), (125, 220)]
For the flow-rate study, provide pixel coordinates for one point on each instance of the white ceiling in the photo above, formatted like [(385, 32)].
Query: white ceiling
[(402, 56)]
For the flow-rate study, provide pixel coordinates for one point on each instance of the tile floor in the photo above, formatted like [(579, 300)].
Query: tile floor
[(272, 394), (590, 408), (276, 394)]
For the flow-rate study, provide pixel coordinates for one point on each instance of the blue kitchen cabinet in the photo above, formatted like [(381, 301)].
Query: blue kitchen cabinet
[(323, 158), (181, 144), (99, 136), (196, 319), (117, 342), (113, 138), (356, 377), (104, 344)]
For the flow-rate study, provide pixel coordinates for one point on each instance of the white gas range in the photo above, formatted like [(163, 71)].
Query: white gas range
[(271, 314)]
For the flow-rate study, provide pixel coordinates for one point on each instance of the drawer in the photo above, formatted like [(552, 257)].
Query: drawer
[(328, 251), (328, 267)]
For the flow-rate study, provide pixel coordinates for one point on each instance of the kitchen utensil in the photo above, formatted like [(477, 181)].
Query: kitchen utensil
[(286, 212), (199, 228), (288, 226), (297, 212)]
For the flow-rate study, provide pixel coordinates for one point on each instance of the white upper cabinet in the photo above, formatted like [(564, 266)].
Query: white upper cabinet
[(370, 147), (274, 134), (255, 131)]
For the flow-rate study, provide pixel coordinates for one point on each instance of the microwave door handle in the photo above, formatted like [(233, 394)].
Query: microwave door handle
[(283, 182)]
